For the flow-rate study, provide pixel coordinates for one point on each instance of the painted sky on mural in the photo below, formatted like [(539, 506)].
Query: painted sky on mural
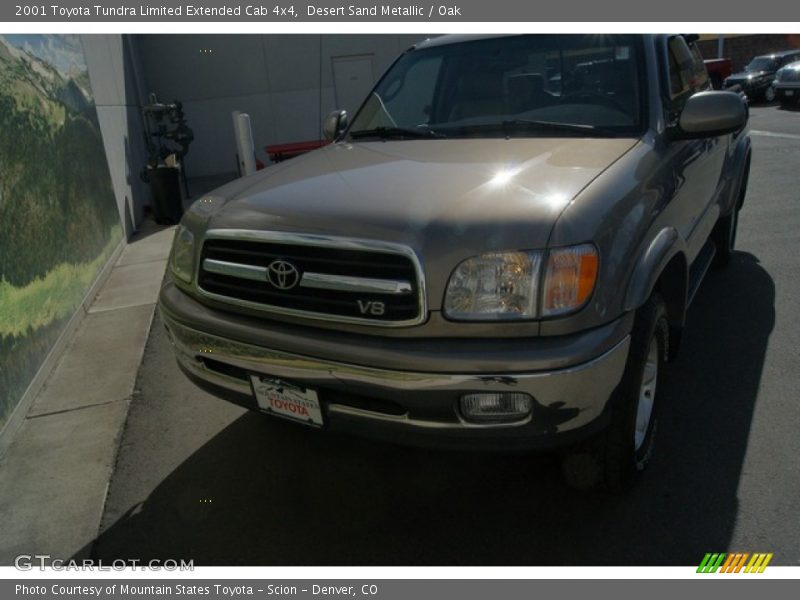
[(64, 52)]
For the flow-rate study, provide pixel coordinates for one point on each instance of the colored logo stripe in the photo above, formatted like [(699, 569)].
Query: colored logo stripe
[(734, 562), (758, 563), (711, 563)]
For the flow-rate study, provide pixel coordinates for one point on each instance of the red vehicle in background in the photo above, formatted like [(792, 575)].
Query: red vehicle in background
[(718, 69)]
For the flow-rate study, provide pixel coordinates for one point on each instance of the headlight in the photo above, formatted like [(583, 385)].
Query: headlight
[(497, 285), (182, 258), (506, 285), (569, 280)]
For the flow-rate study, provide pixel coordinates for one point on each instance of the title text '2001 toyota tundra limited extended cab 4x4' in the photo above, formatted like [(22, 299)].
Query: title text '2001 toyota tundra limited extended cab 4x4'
[(497, 251)]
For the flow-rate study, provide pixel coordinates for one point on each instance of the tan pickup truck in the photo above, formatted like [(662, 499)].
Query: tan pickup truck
[(498, 250)]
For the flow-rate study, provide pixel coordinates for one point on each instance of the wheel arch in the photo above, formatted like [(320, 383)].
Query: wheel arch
[(663, 267), (741, 165), (744, 178)]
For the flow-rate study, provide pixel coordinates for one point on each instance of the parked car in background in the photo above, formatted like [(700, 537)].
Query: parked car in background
[(719, 69), (787, 84), (758, 76), (489, 255)]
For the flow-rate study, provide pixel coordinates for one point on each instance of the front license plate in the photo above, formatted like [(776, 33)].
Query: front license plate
[(287, 400), (789, 92)]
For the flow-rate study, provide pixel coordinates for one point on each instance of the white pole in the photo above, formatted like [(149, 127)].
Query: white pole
[(235, 120), (244, 142)]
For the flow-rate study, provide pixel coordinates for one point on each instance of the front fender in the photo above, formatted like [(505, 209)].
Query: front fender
[(651, 264), (739, 163)]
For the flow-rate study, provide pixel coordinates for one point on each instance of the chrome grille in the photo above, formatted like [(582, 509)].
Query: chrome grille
[(313, 276)]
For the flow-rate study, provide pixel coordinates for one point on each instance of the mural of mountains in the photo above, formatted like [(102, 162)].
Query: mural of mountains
[(62, 54), (58, 215), (38, 86)]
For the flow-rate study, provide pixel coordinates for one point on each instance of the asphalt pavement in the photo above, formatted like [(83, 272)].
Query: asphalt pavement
[(197, 478)]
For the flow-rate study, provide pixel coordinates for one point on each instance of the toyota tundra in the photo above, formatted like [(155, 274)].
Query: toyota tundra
[(497, 251)]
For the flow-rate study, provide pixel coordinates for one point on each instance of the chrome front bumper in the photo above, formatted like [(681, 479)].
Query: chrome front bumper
[(422, 407)]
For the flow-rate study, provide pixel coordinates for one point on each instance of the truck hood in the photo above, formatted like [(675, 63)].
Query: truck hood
[(444, 198), (748, 75)]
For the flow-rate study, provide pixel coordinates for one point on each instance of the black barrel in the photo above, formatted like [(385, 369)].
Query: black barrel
[(166, 192)]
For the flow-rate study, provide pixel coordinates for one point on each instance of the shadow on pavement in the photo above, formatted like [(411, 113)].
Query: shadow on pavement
[(265, 492)]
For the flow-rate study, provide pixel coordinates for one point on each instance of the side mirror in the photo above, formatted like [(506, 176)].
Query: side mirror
[(709, 114), (335, 123)]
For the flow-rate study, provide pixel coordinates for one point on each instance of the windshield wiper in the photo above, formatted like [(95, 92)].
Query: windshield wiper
[(508, 126), (386, 133), (556, 126)]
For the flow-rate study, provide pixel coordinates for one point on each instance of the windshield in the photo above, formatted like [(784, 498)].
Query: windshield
[(761, 63), (553, 85), (789, 72)]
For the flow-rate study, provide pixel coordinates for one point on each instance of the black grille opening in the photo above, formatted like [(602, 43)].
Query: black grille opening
[(225, 368), (369, 403), (373, 306)]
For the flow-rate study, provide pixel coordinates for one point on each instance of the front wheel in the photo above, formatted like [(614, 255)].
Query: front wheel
[(769, 94), (619, 455)]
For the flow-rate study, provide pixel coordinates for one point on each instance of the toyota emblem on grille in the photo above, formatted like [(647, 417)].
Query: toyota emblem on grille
[(282, 274)]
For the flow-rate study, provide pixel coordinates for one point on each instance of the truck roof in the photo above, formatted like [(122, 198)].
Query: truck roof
[(780, 54), (444, 40)]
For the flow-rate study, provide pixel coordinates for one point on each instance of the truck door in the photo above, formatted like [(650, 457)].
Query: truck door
[(696, 164)]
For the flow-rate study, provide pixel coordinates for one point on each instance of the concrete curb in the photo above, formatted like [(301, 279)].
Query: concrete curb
[(59, 456)]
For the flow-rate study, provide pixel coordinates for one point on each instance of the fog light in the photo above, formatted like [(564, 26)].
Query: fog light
[(494, 407)]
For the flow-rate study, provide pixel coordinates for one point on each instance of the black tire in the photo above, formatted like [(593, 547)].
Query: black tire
[(616, 458), (768, 95)]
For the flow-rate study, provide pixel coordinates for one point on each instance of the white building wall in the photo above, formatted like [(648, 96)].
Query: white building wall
[(284, 82), (112, 71)]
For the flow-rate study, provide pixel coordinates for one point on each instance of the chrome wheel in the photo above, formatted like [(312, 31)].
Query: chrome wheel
[(647, 394), (769, 94), (618, 455)]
